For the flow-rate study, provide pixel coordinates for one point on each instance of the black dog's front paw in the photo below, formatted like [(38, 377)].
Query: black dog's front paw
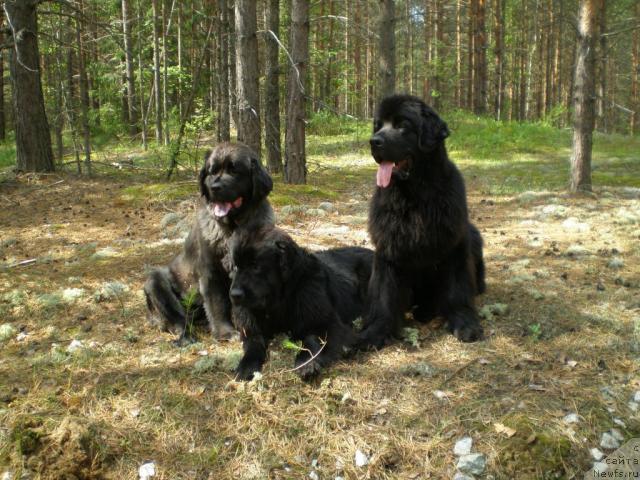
[(246, 371), (469, 332)]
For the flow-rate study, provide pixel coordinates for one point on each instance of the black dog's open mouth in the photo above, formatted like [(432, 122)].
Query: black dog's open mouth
[(385, 170), (222, 209)]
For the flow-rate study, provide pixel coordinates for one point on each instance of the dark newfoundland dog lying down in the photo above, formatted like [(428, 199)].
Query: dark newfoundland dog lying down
[(428, 255), (234, 188), (279, 287)]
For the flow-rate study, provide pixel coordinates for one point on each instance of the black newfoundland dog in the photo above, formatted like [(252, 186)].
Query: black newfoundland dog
[(428, 255), (234, 188), (279, 287)]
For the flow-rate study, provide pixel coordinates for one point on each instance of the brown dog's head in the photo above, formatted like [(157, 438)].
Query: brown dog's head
[(232, 178)]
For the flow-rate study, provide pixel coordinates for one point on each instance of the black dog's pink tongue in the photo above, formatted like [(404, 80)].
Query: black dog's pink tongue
[(383, 178), (220, 209)]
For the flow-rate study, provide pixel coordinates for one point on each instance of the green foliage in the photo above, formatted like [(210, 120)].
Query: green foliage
[(287, 344), (535, 330), (325, 123)]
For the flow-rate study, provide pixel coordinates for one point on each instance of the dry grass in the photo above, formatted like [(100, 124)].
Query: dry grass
[(102, 411)]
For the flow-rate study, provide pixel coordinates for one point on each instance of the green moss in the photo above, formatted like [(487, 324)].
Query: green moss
[(158, 192), (26, 437), (533, 444)]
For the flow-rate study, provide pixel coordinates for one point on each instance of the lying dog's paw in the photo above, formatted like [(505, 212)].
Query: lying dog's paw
[(309, 370), (469, 332)]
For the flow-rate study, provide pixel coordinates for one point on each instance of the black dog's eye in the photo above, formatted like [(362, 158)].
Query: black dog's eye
[(215, 169), (230, 167), (377, 125), (406, 124)]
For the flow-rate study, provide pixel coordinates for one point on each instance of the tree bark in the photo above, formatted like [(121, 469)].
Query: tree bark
[(224, 134), (635, 73), (156, 73), (480, 59), (387, 49), (84, 95), (584, 95), (295, 155), (132, 102), (498, 11), (3, 133), (272, 89), (33, 138), (247, 86)]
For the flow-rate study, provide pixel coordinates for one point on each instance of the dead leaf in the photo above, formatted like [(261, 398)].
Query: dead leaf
[(537, 388), (500, 428)]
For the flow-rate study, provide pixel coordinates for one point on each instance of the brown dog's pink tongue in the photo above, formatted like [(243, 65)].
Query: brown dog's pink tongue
[(383, 178)]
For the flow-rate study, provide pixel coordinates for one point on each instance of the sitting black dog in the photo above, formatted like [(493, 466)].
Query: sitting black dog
[(279, 287), (233, 188), (428, 254)]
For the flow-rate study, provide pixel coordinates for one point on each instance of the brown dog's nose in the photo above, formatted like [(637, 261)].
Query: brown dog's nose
[(376, 141)]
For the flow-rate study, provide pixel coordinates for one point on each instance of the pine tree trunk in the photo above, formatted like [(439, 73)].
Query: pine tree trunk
[(295, 155), (84, 96), (272, 88), (156, 73), (498, 11), (601, 117), (132, 102), (584, 95), (33, 138), (458, 94), (387, 49), (480, 59), (3, 133), (247, 86), (233, 74), (635, 73), (224, 134)]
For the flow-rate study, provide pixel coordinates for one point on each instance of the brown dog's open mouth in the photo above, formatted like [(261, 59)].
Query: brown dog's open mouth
[(222, 209), (385, 170)]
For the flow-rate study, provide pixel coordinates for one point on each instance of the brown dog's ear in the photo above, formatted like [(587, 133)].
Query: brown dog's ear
[(262, 183), (433, 130)]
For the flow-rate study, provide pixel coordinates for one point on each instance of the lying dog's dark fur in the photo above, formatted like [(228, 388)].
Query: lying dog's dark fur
[(428, 254), (233, 187), (280, 287)]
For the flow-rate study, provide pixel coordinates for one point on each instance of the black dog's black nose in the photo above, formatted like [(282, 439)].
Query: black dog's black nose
[(376, 141), (237, 295)]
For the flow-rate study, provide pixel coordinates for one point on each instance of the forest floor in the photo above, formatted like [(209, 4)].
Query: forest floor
[(88, 390)]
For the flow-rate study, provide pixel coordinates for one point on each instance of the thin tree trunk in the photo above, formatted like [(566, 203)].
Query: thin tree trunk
[(498, 11), (295, 155), (472, 8), (601, 116), (458, 94), (233, 74), (33, 140), (3, 133), (387, 49), (247, 86), (84, 95), (156, 72), (132, 102), (272, 88), (584, 95), (635, 73), (224, 134), (480, 59)]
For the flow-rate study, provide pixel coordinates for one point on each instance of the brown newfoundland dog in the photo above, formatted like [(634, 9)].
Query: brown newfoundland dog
[(428, 255), (194, 287)]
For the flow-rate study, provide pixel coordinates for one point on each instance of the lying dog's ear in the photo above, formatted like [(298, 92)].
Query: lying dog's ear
[(262, 183), (433, 130), (288, 256)]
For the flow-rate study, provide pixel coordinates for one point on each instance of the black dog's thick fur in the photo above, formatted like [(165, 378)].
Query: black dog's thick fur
[(428, 255), (233, 188), (279, 287)]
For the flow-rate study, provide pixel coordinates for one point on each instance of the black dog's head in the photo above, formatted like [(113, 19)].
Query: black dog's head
[(405, 131), (262, 263), (232, 178)]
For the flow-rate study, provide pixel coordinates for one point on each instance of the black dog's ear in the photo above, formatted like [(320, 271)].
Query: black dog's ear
[(207, 154), (288, 256), (432, 131), (262, 183)]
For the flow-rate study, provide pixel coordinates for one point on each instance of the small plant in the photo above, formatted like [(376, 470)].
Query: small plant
[(536, 331), (287, 344), (411, 336), (189, 304)]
